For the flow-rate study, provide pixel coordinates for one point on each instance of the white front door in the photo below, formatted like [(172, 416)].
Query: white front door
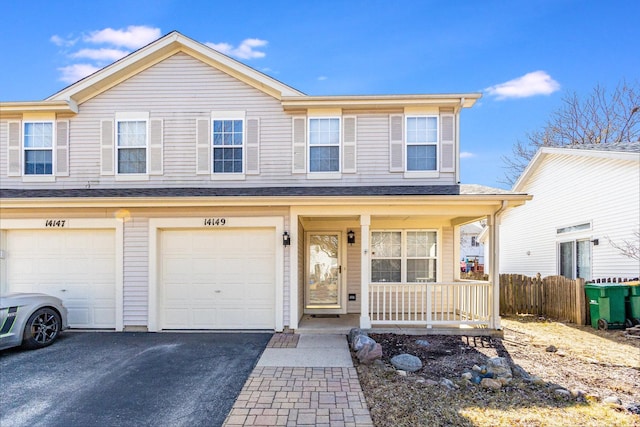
[(323, 277)]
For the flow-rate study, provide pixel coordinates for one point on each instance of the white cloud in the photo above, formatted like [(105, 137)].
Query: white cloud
[(322, 78), (246, 49), (75, 72), (100, 54), (531, 84), (62, 42), (133, 37), (466, 155)]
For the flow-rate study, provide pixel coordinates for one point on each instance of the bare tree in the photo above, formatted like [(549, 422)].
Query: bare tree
[(628, 248), (599, 118)]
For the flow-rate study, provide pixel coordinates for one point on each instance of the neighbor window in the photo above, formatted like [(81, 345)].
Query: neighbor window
[(324, 145), (575, 259), (228, 143), (422, 143), (38, 148), (403, 256), (132, 138)]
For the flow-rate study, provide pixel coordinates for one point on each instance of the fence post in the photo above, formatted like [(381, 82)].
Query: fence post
[(581, 312)]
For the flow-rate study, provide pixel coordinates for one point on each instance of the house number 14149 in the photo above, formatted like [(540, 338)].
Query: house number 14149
[(215, 222)]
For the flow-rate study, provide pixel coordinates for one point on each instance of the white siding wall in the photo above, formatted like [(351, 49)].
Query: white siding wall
[(569, 190), (180, 89)]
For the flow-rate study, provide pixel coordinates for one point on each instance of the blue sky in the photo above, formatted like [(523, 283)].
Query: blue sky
[(524, 56)]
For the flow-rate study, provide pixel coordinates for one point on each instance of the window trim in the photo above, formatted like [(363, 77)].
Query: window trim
[(403, 255), (228, 115), (38, 177), (427, 173), (337, 174), (130, 117)]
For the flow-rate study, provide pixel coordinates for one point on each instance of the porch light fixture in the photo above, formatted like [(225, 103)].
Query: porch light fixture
[(351, 237), (286, 239)]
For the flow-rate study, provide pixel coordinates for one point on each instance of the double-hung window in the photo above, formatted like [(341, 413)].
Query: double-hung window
[(228, 145), (404, 256), (132, 142), (324, 144), (38, 148), (422, 143)]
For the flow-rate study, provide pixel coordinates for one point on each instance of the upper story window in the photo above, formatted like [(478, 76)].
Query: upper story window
[(422, 143), (405, 256), (324, 144), (228, 145), (131, 143), (38, 148)]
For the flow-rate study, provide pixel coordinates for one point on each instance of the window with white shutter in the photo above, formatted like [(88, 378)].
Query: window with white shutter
[(299, 145), (447, 143), (349, 159), (62, 148), (396, 143)]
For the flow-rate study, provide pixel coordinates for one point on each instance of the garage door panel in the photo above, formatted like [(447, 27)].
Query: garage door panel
[(221, 275), (77, 266)]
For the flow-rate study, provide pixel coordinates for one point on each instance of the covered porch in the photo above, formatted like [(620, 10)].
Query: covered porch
[(392, 266)]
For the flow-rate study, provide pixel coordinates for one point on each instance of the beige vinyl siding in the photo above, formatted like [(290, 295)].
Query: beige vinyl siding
[(446, 254), (354, 275), (181, 89), (136, 271), (570, 190)]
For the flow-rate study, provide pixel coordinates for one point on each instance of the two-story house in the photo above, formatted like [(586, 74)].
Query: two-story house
[(180, 189)]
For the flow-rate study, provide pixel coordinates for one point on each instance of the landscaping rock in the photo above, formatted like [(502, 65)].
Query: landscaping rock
[(467, 376), (369, 352), (551, 349), (422, 343), (612, 400), (406, 362), (359, 341), (634, 408), (500, 369), (354, 332), (401, 373), (562, 392), (490, 383)]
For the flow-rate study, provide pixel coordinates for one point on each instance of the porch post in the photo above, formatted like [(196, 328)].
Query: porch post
[(494, 274), (294, 281), (365, 270)]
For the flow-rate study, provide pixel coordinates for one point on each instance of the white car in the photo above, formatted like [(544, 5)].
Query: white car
[(31, 320)]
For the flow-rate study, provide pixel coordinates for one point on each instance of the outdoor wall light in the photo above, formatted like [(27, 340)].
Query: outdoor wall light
[(595, 242), (286, 239), (351, 237)]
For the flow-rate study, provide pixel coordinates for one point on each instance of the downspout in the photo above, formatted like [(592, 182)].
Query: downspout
[(495, 264)]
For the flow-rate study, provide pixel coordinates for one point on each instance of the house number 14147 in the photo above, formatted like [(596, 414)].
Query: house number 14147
[(215, 222), (57, 223)]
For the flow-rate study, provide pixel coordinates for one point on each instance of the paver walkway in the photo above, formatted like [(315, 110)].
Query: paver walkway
[(298, 395)]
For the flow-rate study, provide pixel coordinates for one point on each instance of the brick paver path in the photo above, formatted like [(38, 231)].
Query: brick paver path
[(282, 396), (283, 341)]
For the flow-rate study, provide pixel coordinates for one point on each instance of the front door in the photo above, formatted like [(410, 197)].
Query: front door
[(323, 290)]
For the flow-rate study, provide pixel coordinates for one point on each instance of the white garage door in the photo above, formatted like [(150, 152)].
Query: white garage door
[(217, 279), (77, 266)]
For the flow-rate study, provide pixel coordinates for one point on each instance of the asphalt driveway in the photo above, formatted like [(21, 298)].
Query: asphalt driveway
[(126, 379)]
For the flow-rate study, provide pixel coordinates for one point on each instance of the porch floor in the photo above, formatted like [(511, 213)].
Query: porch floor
[(345, 322)]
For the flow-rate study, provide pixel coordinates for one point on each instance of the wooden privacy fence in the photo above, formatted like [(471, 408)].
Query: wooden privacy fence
[(555, 296)]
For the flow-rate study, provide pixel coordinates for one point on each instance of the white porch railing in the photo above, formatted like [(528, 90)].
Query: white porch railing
[(430, 304)]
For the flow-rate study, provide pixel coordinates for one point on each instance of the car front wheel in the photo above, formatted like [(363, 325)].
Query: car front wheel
[(42, 328)]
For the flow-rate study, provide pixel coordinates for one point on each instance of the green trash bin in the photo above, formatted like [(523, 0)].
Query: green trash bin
[(633, 303), (607, 304)]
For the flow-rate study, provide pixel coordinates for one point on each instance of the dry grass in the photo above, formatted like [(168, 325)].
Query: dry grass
[(599, 363)]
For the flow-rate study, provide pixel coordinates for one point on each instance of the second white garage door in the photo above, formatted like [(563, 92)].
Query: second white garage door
[(217, 279)]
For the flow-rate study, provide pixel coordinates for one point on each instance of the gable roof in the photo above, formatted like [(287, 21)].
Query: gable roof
[(624, 151), (159, 50)]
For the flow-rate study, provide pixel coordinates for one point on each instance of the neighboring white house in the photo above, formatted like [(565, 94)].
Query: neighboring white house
[(584, 198), (180, 189), (471, 248)]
